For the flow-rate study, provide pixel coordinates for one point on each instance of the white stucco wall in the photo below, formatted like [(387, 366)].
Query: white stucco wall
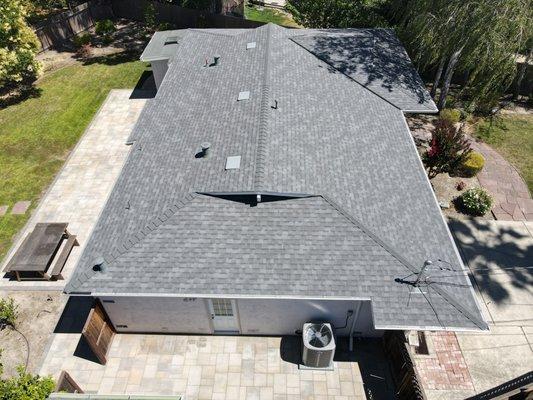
[(256, 316), (158, 314), (284, 317), (159, 69)]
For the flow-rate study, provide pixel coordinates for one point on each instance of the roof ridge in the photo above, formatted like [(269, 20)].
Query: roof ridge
[(440, 291), (261, 151), (135, 238), (205, 32)]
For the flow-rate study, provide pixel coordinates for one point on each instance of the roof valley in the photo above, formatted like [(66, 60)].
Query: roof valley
[(262, 138)]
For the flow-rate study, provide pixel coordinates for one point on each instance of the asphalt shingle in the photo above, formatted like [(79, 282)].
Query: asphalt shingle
[(367, 217)]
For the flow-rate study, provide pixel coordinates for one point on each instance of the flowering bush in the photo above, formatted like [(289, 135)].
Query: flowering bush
[(475, 201), (448, 149), (18, 46)]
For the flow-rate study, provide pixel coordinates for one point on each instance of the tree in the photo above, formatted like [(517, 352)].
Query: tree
[(523, 69), (18, 47), (337, 13), (478, 37)]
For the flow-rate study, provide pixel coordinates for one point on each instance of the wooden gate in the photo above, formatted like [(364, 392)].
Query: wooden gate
[(98, 333)]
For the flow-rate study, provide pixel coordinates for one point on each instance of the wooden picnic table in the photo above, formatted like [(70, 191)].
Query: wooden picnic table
[(39, 249)]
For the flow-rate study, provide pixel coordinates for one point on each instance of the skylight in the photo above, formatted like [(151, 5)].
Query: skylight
[(243, 96), (233, 162), (171, 40), (250, 45)]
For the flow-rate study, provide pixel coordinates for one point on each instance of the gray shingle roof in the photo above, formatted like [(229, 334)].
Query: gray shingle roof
[(371, 218), (162, 45), (374, 58)]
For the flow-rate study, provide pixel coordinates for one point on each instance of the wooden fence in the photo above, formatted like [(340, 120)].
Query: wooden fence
[(180, 17), (405, 376), (56, 31)]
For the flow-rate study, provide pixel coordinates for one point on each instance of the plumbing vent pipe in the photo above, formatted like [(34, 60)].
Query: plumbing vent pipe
[(216, 60)]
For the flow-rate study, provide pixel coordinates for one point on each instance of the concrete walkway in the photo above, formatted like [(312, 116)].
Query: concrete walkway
[(81, 188), (512, 200), (499, 255)]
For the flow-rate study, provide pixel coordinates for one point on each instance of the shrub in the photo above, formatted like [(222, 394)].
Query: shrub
[(82, 40), (452, 115), (165, 26), (104, 27), (26, 386), (85, 51), (149, 15), (475, 201), (8, 312), (473, 163), (18, 47), (448, 149)]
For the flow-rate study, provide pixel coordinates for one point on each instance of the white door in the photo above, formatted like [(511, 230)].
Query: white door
[(224, 315)]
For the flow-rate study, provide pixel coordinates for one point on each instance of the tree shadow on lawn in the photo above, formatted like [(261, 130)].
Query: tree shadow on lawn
[(495, 254), (113, 59), (19, 95)]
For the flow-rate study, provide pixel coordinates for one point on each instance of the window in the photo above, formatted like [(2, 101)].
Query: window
[(222, 307)]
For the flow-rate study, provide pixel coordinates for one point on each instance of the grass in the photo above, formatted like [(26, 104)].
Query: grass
[(267, 14), (37, 134), (512, 136)]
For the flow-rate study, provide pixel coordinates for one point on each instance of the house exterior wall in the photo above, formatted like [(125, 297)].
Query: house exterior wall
[(157, 314), (284, 317), (256, 316), (159, 69)]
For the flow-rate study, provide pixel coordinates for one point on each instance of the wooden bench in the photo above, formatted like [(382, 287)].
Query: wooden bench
[(54, 271)]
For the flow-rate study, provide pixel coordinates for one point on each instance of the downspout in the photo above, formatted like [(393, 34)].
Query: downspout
[(354, 321)]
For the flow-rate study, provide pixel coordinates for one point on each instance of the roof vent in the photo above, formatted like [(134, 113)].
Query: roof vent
[(98, 264), (205, 148), (233, 162), (250, 45), (216, 60), (171, 40), (243, 96)]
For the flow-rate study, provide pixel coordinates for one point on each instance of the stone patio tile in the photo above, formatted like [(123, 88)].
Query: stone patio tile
[(156, 372), (266, 393), (205, 393), (253, 393), (20, 207)]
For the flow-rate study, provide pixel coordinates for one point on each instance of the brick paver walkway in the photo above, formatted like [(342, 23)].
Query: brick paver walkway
[(445, 368), (512, 200)]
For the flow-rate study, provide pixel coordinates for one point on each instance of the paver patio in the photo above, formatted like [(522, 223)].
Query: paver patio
[(82, 186), (206, 367)]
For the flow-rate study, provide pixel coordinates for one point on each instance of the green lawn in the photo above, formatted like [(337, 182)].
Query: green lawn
[(512, 136), (37, 134), (266, 14)]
